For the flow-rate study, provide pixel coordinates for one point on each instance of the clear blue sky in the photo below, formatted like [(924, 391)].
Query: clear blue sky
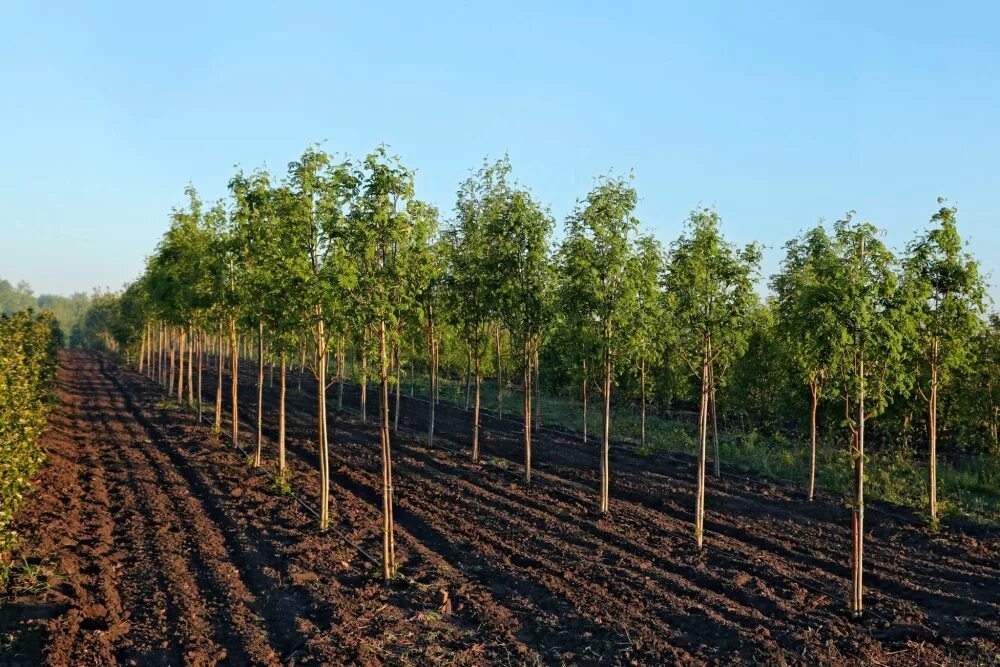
[(777, 114)]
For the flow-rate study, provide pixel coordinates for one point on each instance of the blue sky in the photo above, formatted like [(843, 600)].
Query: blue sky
[(776, 114)]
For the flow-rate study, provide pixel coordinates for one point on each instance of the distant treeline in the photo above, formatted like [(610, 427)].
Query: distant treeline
[(69, 311)]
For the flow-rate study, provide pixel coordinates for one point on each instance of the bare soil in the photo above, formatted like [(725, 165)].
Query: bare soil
[(162, 546)]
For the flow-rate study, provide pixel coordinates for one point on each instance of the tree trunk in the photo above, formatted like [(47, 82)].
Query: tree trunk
[(932, 432), (858, 523), (642, 401), (182, 350), (324, 445), (814, 391), (433, 372), (159, 364), (717, 459), (173, 356), (538, 392), (468, 376), (364, 376), (260, 395), (475, 411), (201, 344), (585, 401), (142, 351), (699, 512), (399, 381), (388, 529), (281, 422), (527, 412), (234, 373), (340, 374), (190, 368), (499, 376), (606, 429), (217, 425)]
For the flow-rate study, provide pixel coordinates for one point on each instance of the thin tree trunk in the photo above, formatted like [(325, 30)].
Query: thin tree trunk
[(281, 421), (699, 513), (324, 445), (201, 344), (814, 390), (538, 393), (364, 376), (173, 365), (585, 399), (260, 395), (234, 372), (717, 458), (606, 430), (190, 367), (932, 432), (217, 425), (433, 372), (159, 365), (859, 501), (181, 350), (475, 410), (527, 412), (642, 412), (499, 376), (468, 377), (142, 351), (388, 528), (340, 374), (399, 380)]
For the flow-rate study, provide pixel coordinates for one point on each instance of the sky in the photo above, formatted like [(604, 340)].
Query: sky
[(776, 114)]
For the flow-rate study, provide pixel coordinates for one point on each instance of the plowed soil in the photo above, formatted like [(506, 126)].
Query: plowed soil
[(162, 546)]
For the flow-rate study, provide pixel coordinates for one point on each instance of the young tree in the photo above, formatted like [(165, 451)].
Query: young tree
[(950, 294), (384, 235), (598, 260), (710, 296), (648, 321), (521, 267), (806, 319), (468, 284), (314, 206), (873, 320)]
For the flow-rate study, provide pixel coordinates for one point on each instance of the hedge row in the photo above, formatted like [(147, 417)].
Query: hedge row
[(28, 346)]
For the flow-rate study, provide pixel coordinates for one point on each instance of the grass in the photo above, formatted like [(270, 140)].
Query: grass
[(968, 489), (25, 578)]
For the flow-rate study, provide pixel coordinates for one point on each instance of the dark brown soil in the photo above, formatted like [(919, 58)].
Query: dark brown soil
[(165, 548)]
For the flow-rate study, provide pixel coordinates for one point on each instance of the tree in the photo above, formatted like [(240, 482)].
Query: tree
[(950, 296), (598, 259), (383, 236), (710, 296), (873, 320), (314, 205), (806, 320), (520, 232), (468, 282), (648, 321)]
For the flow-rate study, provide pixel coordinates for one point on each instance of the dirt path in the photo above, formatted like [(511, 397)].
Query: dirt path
[(163, 547)]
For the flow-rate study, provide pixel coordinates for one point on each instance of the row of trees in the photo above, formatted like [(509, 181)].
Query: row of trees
[(341, 256), (28, 346)]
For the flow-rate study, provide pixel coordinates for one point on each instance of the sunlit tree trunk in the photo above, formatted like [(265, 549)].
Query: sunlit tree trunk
[(260, 395), (699, 512), (234, 372), (814, 391), (932, 432), (388, 529), (499, 376), (281, 422), (217, 424), (399, 379), (190, 367), (606, 422), (527, 411), (324, 445), (475, 410), (717, 458), (585, 400)]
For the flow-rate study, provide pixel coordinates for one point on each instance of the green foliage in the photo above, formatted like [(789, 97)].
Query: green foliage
[(28, 345), (710, 294)]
